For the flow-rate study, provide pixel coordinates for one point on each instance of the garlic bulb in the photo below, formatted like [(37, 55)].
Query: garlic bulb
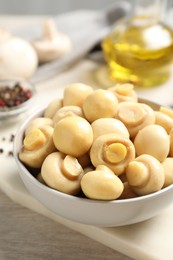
[(17, 57)]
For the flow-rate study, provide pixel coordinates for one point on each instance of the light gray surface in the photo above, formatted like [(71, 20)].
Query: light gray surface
[(49, 7), (27, 235)]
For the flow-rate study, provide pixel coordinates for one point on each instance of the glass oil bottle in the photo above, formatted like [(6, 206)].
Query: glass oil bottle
[(140, 49)]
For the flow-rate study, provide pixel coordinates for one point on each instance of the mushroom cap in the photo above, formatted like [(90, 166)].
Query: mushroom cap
[(101, 103), (51, 50), (153, 140), (38, 143), (67, 111), (145, 174), (103, 126), (101, 185), (55, 176), (73, 136), (124, 92), (52, 107), (171, 143), (164, 120), (127, 192), (75, 94), (135, 116), (168, 170), (37, 123), (112, 151)]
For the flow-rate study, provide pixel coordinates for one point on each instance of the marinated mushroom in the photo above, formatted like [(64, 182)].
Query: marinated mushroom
[(89, 169), (53, 44), (153, 140), (145, 175), (75, 94), (171, 143), (73, 136), (38, 122), (67, 111), (93, 135), (40, 178), (124, 92), (101, 184), (84, 160), (103, 126), (52, 107), (168, 170), (101, 103), (62, 172), (135, 116), (37, 144), (164, 117), (127, 192), (113, 151)]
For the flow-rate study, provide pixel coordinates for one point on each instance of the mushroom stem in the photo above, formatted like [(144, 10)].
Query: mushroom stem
[(137, 174), (49, 30), (71, 167), (34, 139), (115, 153)]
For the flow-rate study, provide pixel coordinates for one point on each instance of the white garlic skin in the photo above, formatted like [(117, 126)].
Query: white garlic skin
[(17, 59)]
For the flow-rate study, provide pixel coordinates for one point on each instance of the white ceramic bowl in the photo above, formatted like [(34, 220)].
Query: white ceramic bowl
[(92, 212), (14, 111)]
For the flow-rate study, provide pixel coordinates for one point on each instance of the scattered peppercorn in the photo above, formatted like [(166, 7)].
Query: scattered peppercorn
[(10, 153), (14, 96), (7, 140), (12, 138)]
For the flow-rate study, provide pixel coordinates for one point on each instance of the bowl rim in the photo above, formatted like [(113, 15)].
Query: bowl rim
[(23, 170), (84, 199)]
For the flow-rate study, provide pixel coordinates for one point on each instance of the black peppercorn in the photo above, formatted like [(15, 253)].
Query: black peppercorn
[(11, 97)]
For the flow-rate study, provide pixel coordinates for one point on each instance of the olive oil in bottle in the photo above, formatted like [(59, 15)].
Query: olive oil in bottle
[(140, 50)]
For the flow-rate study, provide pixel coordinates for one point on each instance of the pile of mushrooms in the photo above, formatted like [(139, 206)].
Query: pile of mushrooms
[(102, 144)]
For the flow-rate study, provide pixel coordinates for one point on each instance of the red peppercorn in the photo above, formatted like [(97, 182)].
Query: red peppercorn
[(2, 104), (10, 97)]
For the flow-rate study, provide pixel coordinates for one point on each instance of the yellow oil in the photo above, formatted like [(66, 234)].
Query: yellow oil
[(139, 54)]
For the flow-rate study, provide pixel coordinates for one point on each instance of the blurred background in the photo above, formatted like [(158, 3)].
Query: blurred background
[(52, 7)]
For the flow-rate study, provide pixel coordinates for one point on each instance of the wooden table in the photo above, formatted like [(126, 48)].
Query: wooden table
[(28, 235)]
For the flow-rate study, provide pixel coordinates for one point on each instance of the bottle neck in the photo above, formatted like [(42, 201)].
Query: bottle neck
[(147, 12)]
